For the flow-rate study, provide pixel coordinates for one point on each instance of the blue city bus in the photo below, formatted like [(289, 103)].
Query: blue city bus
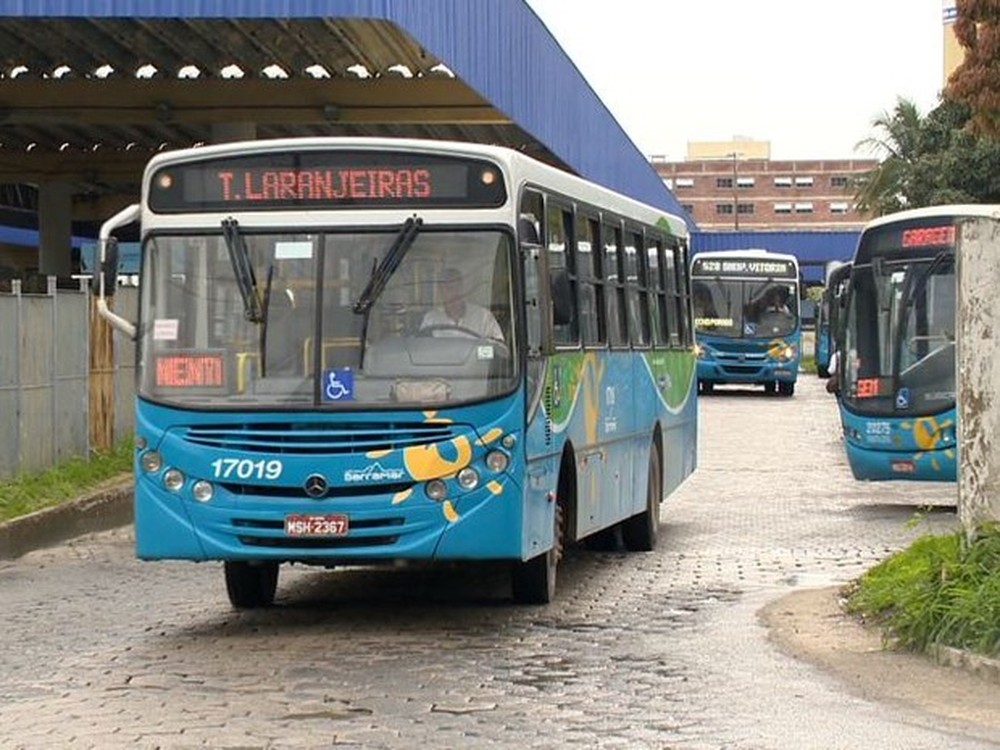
[(897, 367), (358, 351), (829, 316), (746, 317)]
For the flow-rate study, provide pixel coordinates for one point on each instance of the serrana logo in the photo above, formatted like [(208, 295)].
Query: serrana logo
[(373, 473)]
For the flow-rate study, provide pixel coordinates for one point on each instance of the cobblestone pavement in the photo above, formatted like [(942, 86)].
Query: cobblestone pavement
[(659, 650)]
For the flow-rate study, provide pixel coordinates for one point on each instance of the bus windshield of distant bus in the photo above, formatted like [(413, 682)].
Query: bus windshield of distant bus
[(900, 326), (244, 318), (752, 308)]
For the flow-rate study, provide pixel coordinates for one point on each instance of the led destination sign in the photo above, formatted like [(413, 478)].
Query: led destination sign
[(325, 179), (744, 267)]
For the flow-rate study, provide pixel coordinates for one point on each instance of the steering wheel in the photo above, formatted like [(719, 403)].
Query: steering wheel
[(466, 332), (501, 346)]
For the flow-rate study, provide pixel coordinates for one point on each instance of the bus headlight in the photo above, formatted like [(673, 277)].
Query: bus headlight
[(436, 489), (497, 461), (151, 462), (468, 478), (202, 491), (173, 479)]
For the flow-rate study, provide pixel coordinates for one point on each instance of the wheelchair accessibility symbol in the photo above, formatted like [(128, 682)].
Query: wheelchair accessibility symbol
[(338, 385)]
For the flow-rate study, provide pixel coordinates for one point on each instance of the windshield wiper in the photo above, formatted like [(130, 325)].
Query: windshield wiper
[(246, 281), (393, 257), (265, 308)]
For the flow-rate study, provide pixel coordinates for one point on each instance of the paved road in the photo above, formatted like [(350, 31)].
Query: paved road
[(660, 650)]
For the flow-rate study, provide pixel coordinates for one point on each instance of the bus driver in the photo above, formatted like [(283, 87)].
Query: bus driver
[(457, 315)]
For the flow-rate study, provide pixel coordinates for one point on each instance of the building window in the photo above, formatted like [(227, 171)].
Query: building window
[(745, 182), (838, 181), (689, 207), (782, 208), (840, 207), (723, 182), (804, 181), (803, 208), (669, 182), (782, 181), (744, 208), (684, 182), (724, 208)]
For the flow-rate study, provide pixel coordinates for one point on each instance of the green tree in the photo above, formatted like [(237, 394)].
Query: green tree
[(976, 81), (884, 189), (928, 161)]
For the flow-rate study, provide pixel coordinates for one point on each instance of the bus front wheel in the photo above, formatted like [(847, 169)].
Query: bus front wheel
[(251, 585), (534, 581), (786, 389)]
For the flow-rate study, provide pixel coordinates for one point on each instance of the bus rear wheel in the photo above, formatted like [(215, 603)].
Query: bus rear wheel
[(251, 585), (534, 581), (640, 532)]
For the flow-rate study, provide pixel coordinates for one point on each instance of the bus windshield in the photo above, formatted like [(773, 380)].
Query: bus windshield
[(333, 319), (736, 308), (900, 337)]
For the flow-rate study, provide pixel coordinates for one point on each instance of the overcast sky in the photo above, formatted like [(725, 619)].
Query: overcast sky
[(807, 76)]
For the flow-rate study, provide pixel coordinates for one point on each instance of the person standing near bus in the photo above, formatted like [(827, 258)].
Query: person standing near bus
[(456, 314)]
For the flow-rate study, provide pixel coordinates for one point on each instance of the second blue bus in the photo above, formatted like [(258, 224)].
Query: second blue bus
[(746, 317)]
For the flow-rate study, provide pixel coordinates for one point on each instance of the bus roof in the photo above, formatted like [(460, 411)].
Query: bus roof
[(747, 253), (527, 169), (929, 212)]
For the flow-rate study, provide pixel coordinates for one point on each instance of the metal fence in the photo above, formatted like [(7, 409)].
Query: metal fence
[(45, 376)]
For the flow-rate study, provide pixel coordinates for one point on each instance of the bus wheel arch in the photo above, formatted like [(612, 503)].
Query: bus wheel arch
[(641, 532), (534, 581)]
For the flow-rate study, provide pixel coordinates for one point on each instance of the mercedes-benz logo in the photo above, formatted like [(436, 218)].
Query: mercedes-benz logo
[(316, 485)]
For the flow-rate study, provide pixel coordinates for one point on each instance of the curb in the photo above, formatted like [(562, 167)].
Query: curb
[(101, 510), (982, 666)]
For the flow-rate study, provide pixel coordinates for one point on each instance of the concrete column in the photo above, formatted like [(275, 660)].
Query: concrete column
[(977, 328), (223, 132), (55, 228)]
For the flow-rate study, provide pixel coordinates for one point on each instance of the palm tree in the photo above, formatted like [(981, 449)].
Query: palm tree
[(884, 189)]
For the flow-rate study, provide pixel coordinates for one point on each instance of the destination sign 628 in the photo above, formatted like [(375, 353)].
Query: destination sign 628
[(743, 267)]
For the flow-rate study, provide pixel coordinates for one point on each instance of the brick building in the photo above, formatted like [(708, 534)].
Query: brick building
[(736, 186)]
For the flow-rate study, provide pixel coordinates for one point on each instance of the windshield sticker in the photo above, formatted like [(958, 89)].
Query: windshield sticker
[(749, 329), (338, 384), (903, 398), (484, 352), (165, 329), (293, 250)]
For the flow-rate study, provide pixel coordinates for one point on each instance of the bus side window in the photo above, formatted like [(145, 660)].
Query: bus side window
[(560, 256)]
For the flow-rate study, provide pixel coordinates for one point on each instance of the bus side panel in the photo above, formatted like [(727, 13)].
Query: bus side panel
[(607, 405)]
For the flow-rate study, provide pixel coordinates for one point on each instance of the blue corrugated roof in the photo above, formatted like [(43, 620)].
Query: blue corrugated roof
[(813, 249), (501, 49)]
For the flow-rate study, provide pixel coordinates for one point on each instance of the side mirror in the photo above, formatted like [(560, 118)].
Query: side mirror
[(106, 279), (562, 297)]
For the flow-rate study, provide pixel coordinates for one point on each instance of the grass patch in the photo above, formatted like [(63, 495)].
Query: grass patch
[(807, 363), (27, 493), (941, 590)]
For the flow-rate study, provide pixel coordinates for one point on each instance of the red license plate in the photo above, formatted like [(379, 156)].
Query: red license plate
[(303, 524)]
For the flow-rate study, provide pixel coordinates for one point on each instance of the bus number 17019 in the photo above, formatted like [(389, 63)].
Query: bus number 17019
[(227, 468)]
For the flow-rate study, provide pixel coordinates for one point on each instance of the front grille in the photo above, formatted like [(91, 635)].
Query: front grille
[(321, 438), (298, 493)]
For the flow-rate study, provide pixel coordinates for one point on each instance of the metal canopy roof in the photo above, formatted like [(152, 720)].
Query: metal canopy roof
[(90, 89)]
